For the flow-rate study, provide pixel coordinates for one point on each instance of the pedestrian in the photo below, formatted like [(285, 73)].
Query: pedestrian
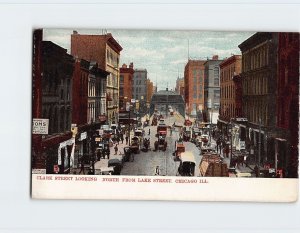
[(149, 132), (116, 149), (81, 167), (157, 171), (98, 155), (126, 138), (122, 137)]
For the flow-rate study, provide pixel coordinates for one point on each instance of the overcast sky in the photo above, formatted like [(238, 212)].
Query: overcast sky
[(163, 53)]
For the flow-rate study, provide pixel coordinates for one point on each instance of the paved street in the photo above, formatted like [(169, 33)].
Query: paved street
[(145, 163)]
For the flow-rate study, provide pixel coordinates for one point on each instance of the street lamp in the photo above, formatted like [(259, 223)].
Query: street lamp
[(230, 134), (209, 107)]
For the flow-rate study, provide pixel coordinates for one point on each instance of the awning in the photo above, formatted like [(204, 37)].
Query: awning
[(281, 139), (225, 122)]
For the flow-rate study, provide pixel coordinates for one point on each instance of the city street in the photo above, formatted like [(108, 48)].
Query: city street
[(145, 163)]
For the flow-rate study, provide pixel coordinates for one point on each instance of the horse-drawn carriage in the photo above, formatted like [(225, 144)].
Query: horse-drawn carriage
[(179, 148), (146, 144), (161, 143), (135, 145)]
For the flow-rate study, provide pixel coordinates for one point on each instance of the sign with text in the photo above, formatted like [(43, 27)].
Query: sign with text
[(40, 126)]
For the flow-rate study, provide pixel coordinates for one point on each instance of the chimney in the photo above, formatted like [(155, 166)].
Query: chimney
[(124, 66), (215, 57), (75, 32), (131, 65)]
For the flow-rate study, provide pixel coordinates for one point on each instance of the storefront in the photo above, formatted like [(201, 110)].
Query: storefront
[(58, 153)]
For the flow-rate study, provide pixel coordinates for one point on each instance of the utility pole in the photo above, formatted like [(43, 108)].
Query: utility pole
[(259, 145)]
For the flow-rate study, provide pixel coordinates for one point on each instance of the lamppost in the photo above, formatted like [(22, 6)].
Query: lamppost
[(259, 146), (209, 108), (230, 134)]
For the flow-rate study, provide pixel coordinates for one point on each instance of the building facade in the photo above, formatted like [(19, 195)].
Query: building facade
[(286, 142), (150, 92), (180, 86), (105, 50), (139, 88), (194, 87), (80, 93), (259, 77), (229, 69), (126, 81), (96, 94), (54, 92), (212, 89)]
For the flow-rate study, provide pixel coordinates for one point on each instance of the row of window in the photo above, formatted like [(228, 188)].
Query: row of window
[(256, 85), (112, 80), (112, 58), (59, 118), (95, 109), (257, 58), (228, 92), (227, 74), (230, 110), (255, 109)]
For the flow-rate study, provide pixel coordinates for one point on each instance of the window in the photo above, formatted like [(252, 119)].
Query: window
[(216, 94), (194, 72), (195, 80), (121, 79), (216, 81)]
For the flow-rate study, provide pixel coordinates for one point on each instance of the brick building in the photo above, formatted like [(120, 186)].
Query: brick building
[(194, 87), (150, 92), (230, 91), (270, 76), (80, 95), (286, 142), (52, 100), (180, 86), (105, 50), (126, 83)]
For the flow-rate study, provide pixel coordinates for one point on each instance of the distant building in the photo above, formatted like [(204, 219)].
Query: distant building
[(126, 83), (212, 89), (230, 90), (194, 87), (150, 92), (139, 87), (104, 50), (180, 86)]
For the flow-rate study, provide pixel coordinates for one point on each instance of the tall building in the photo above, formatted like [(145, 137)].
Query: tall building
[(259, 77), (194, 87), (126, 81), (52, 100), (212, 89), (139, 87), (180, 86), (105, 50), (230, 81), (97, 80), (150, 91)]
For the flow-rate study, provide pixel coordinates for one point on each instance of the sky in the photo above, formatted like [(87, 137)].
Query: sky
[(163, 53)]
